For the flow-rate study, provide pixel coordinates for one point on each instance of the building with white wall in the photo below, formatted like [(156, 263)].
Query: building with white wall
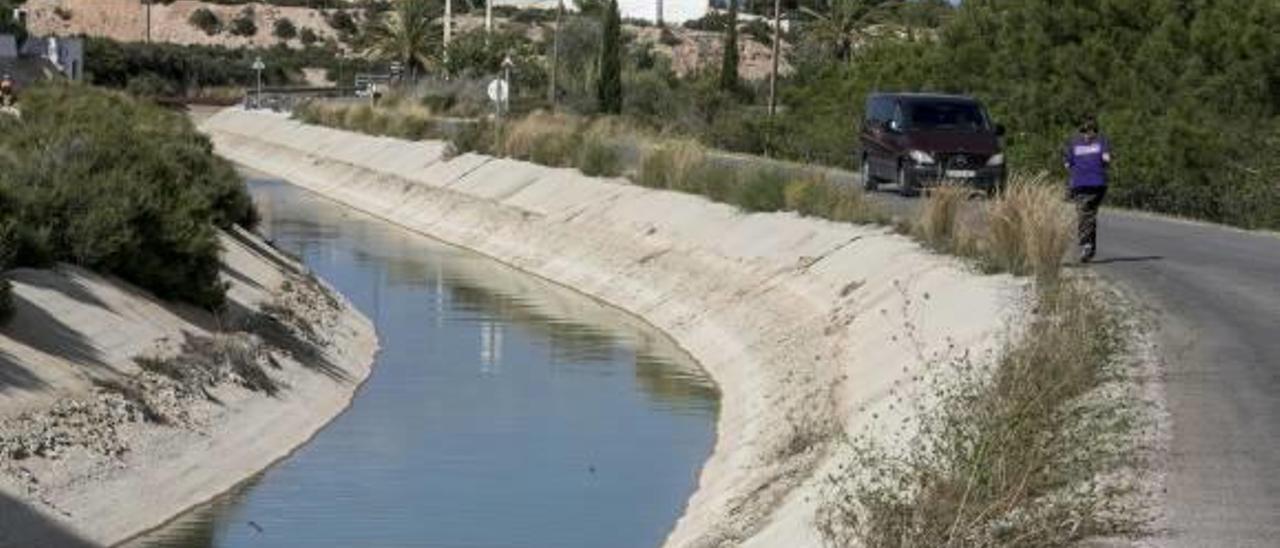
[(673, 11)]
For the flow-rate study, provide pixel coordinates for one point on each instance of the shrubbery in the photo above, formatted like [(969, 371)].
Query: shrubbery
[(187, 70), (122, 187), (244, 24), (1188, 96), (284, 29), (205, 20)]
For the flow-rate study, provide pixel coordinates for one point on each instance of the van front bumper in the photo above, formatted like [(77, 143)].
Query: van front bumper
[(931, 175)]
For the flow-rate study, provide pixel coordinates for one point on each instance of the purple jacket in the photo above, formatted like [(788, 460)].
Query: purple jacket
[(1087, 161)]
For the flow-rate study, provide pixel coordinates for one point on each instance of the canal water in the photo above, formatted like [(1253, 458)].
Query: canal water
[(502, 411)]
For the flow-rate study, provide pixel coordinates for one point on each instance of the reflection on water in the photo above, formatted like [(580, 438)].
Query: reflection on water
[(503, 411)]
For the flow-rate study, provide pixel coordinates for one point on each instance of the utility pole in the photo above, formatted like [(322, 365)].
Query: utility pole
[(777, 46), (488, 19), (448, 32), (659, 20), (555, 55), (148, 2)]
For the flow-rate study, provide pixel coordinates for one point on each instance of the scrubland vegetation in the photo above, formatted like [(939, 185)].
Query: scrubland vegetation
[(105, 181)]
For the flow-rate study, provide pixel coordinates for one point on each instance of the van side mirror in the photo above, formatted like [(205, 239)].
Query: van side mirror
[(1000, 130), (889, 126)]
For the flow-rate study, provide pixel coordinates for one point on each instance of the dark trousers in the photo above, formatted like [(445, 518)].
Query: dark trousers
[(1088, 199)]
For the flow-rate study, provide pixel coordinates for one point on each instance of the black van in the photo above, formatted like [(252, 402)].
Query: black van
[(917, 140)]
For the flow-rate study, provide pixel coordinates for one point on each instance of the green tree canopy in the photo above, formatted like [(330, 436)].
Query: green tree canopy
[(609, 91)]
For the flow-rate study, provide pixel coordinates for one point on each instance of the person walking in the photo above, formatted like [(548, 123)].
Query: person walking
[(1087, 158)]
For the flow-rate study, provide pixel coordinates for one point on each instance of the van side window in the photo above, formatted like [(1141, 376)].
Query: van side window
[(899, 119)]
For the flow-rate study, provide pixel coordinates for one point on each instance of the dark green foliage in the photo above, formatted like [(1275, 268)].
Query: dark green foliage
[(308, 36), (344, 23), (591, 8), (609, 90), (760, 31), (729, 60), (122, 187), (6, 300), (284, 29), (244, 24), (471, 55), (185, 70), (205, 20), (1188, 94), (8, 25), (760, 190), (713, 21)]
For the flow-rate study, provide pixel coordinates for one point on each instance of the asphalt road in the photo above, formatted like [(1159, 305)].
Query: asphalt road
[(1215, 295)]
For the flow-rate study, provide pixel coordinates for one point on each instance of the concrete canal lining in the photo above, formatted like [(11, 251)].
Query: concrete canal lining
[(808, 326)]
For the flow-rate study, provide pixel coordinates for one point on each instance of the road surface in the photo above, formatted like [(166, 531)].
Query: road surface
[(1217, 296), (1215, 292)]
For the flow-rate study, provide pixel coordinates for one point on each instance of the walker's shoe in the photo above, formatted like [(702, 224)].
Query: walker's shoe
[(1086, 253)]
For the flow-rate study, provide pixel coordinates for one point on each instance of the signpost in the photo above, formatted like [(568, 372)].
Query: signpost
[(258, 67), (499, 93)]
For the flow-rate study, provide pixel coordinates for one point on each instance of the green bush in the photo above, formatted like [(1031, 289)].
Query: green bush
[(284, 29), (308, 36), (119, 186), (244, 24), (599, 159), (6, 300), (205, 20), (761, 190)]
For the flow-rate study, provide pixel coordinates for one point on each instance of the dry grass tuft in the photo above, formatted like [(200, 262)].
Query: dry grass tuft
[(938, 223), (544, 138), (1029, 228), (674, 165), (396, 117), (1009, 455)]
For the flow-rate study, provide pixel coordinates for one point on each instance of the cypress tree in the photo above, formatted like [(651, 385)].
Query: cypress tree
[(609, 90), (729, 68)]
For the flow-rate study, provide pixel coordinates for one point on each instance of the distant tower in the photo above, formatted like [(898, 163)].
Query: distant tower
[(659, 19)]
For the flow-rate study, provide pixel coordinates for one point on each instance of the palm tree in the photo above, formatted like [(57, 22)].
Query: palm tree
[(839, 27), (405, 34)]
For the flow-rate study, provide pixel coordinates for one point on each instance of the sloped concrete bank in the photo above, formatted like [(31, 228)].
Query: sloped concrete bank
[(119, 411), (809, 327)]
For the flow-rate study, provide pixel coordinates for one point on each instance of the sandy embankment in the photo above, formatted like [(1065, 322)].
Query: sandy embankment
[(92, 465), (804, 324)]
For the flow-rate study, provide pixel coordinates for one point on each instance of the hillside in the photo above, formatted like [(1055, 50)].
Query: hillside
[(126, 20)]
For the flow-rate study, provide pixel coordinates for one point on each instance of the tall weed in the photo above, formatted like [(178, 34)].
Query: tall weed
[(1001, 458), (1029, 228)]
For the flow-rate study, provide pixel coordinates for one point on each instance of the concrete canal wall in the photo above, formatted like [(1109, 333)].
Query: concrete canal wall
[(810, 328)]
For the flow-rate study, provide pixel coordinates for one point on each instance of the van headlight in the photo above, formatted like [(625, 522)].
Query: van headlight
[(920, 157), (997, 160)]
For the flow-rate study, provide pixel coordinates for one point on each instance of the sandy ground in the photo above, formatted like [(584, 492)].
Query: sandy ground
[(95, 448), (809, 328)]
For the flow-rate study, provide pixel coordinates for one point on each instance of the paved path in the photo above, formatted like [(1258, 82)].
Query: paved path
[(1215, 292), (1217, 295)]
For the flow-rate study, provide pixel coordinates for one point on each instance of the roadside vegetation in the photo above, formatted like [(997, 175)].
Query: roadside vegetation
[(1186, 95), (194, 72), (98, 179), (1032, 450)]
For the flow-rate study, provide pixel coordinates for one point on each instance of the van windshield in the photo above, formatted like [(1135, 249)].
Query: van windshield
[(946, 115)]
